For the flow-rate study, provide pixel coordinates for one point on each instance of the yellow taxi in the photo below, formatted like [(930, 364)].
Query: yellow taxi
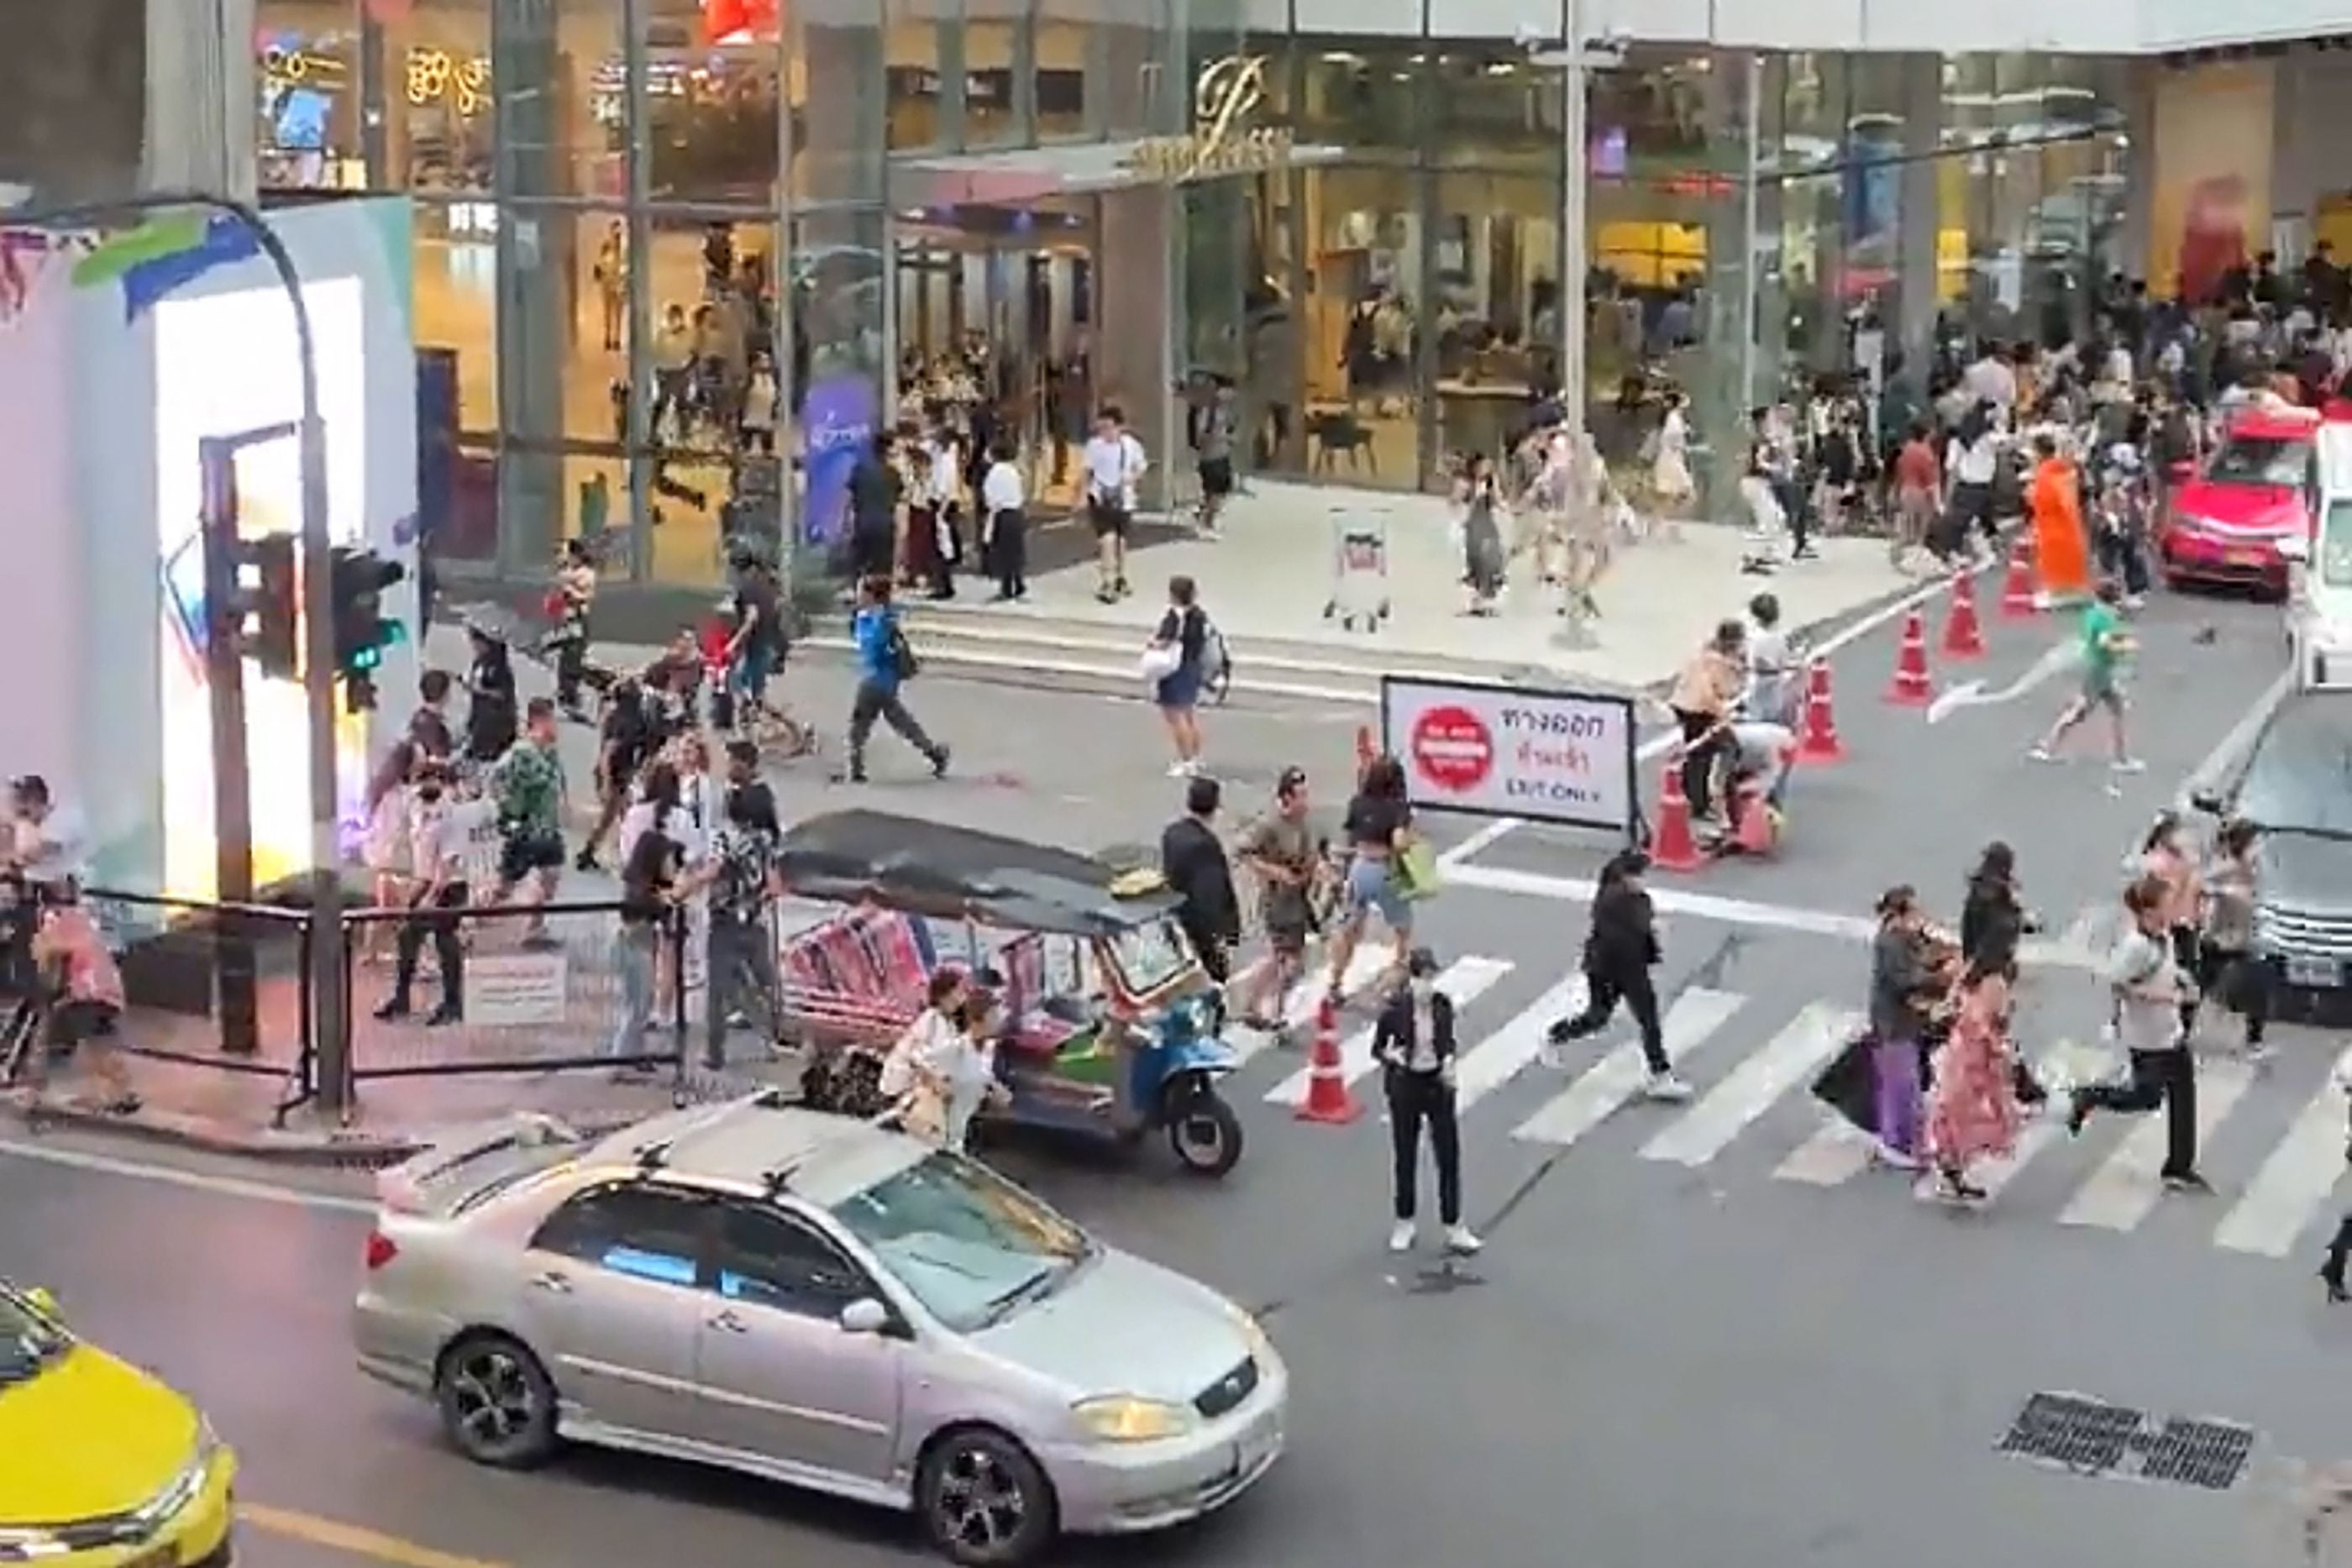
[(104, 1466)]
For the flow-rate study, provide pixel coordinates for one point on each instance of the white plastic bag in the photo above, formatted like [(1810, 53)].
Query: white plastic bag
[(1160, 660)]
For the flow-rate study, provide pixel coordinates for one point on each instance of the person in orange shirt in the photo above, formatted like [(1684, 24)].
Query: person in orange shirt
[(2061, 551)]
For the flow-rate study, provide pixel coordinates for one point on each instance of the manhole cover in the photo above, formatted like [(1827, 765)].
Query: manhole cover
[(2092, 1438)]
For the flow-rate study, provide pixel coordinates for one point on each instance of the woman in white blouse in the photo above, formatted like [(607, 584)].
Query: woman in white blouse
[(693, 826), (1004, 525)]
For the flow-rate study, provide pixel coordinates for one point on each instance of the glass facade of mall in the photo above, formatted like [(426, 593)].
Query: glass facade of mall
[(890, 182)]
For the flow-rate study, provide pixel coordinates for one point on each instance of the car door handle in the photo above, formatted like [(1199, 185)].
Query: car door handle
[(730, 1322), (554, 1284)]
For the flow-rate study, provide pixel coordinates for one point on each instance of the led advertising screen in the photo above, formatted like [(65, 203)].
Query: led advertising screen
[(226, 365)]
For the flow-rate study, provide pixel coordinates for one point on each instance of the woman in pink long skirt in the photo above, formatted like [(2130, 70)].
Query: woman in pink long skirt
[(1972, 1111)]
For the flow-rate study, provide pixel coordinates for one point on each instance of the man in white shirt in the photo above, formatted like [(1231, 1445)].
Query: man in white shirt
[(2148, 992), (1113, 462)]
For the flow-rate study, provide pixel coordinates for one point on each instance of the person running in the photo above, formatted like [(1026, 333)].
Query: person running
[(1378, 829), (1973, 1111), (1280, 848), (1114, 462), (2106, 646), (628, 740), (2167, 855), (2149, 990), (1414, 1044), (1621, 948), (885, 663), (740, 955), (2228, 967)]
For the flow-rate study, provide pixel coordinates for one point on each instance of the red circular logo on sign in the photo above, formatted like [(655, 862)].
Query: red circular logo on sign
[(1451, 748)]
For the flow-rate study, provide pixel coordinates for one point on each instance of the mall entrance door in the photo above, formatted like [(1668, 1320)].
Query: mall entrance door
[(995, 317)]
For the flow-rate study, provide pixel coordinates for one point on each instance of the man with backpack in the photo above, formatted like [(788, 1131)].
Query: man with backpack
[(885, 663)]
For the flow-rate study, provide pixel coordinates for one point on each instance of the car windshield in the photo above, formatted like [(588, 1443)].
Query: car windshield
[(28, 1341), (2261, 460), (1150, 956), (972, 1247), (2301, 783), (2335, 545)]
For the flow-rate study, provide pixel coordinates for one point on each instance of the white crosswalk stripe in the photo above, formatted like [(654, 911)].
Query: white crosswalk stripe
[(2127, 1188), (1464, 980), (1691, 1021), (1754, 1065), (2300, 1176), (1365, 967), (1790, 1058)]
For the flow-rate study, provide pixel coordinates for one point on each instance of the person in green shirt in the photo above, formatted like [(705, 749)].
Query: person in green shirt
[(527, 784), (2106, 646)]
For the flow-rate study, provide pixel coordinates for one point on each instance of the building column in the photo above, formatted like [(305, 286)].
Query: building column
[(1132, 279), (535, 245), (2139, 167), (202, 100), (1918, 260)]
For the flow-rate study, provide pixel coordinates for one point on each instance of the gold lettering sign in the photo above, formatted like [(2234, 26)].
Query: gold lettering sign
[(1221, 141), (434, 75)]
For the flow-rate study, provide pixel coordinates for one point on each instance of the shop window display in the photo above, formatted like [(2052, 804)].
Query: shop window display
[(308, 70), (1360, 322)]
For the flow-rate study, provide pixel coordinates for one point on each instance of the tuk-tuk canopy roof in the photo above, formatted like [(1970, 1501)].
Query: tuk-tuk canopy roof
[(949, 872)]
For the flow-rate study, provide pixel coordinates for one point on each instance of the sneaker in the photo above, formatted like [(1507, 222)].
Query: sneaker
[(2042, 754), (2069, 1112), (1179, 768), (939, 764), (1666, 1086), (1893, 1159), (391, 1011), (1400, 1236), (2258, 1053), (1460, 1240), (2190, 1183), (2127, 765)]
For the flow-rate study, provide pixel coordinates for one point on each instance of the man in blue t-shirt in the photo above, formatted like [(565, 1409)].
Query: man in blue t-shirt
[(884, 665)]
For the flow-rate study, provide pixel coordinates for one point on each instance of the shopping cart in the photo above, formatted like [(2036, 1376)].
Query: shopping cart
[(1359, 570)]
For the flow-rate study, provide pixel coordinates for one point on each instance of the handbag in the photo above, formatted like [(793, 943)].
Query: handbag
[(1160, 660), (1415, 870)]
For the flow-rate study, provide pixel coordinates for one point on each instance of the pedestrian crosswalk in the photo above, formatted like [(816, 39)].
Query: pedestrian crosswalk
[(1751, 1061)]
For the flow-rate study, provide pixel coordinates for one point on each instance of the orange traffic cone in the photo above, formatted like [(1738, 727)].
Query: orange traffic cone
[(2017, 589), (1963, 635), (1913, 687), (1672, 847), (1327, 1100), (1820, 742)]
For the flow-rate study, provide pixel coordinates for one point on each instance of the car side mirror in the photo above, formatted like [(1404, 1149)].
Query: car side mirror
[(2296, 549), (865, 1315), (2206, 801), (43, 1301)]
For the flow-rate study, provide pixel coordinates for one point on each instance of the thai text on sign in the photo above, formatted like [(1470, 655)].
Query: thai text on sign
[(1554, 756)]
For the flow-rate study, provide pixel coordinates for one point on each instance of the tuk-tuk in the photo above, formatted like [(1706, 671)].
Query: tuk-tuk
[(1111, 1024)]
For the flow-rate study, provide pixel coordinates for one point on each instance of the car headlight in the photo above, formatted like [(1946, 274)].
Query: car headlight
[(29, 1546), (1121, 1418)]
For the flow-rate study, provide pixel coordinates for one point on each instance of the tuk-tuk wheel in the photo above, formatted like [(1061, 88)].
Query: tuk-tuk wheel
[(1206, 1136)]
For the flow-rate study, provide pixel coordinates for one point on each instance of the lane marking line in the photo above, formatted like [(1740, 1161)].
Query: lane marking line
[(2126, 1189), (1497, 1058), (2232, 747), (1691, 1021), (1707, 1128), (1658, 745), (337, 1536), (193, 1181), (2301, 1173), (1670, 901)]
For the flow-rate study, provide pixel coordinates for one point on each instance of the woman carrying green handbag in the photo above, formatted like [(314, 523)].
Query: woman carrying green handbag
[(1382, 846)]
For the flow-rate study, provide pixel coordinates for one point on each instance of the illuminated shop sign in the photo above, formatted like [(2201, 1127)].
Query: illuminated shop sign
[(435, 76), (285, 67), (1222, 139)]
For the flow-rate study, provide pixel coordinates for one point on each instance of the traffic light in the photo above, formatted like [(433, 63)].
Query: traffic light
[(264, 607), (361, 630)]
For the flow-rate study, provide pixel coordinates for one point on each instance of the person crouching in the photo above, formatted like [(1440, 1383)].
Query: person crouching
[(1414, 1043)]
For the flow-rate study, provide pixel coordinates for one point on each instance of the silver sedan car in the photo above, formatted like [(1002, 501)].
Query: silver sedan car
[(818, 1300)]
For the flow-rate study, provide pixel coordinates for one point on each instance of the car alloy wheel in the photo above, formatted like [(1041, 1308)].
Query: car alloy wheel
[(497, 1402), (984, 1501)]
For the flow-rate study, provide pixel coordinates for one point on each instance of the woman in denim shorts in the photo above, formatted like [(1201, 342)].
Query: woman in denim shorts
[(1378, 826)]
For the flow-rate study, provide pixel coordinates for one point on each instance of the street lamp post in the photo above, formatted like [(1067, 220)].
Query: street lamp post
[(1575, 261)]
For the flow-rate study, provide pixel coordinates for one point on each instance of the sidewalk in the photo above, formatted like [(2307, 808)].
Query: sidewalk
[(1049, 767), (1269, 577)]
